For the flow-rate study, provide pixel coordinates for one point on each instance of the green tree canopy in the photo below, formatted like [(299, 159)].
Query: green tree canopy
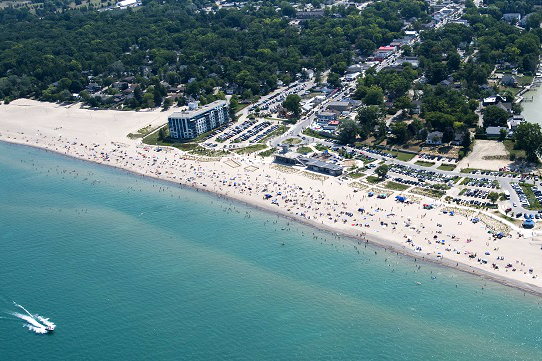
[(382, 170), (529, 138), (292, 104), (348, 131), (495, 116)]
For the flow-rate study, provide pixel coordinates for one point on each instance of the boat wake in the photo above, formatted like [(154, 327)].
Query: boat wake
[(35, 323)]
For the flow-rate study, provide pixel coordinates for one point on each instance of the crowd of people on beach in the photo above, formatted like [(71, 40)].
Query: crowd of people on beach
[(331, 204)]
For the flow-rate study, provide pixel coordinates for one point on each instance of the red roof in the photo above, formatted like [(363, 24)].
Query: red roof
[(333, 122), (387, 48)]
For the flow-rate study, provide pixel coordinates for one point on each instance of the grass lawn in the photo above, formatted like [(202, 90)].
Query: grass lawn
[(292, 141), (428, 192), (509, 219), (424, 163), (509, 145), (152, 139), (394, 186), (320, 147), (251, 149), (279, 131), (533, 202), (373, 179), (525, 80), (191, 147), (320, 135), (267, 153), (198, 150), (141, 132), (512, 90), (240, 107), (405, 157), (304, 150), (355, 175), (446, 167)]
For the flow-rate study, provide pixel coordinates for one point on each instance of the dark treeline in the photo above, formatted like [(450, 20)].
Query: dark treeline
[(248, 50)]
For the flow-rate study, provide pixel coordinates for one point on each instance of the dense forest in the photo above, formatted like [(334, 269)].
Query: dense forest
[(247, 50)]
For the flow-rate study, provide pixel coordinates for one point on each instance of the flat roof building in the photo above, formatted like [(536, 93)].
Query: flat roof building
[(310, 163), (338, 106), (189, 124)]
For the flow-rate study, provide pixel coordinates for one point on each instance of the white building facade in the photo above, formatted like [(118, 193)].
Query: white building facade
[(191, 123)]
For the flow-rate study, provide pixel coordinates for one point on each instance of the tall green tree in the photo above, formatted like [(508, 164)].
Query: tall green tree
[(529, 138), (382, 170), (495, 116), (292, 103), (348, 131)]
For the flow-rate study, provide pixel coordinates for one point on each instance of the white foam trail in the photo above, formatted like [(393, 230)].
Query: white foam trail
[(36, 322), (35, 329), (45, 321), (25, 310), (28, 319)]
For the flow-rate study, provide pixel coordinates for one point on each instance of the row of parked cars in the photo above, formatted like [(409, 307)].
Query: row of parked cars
[(537, 193), (377, 151), (213, 133), (422, 175), (521, 194), (273, 101), (437, 158), (253, 131), (476, 193), (238, 129), (482, 182), (264, 133), (472, 202), (507, 174), (409, 182)]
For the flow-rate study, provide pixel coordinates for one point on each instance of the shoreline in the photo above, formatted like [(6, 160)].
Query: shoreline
[(531, 88), (374, 240)]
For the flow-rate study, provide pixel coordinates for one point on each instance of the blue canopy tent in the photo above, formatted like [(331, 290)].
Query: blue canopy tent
[(528, 223)]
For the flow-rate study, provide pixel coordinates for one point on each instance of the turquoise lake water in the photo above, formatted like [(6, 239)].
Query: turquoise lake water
[(135, 269)]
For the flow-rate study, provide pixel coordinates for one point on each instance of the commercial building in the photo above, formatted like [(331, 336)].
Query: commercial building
[(384, 51), (313, 164), (196, 120), (339, 106)]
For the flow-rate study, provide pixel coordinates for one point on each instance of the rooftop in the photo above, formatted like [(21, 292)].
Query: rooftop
[(199, 111), (320, 164)]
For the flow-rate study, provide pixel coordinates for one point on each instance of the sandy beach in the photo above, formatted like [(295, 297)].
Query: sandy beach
[(334, 204)]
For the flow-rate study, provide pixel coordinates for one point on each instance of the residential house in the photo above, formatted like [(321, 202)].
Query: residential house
[(412, 60), (458, 138), (509, 80), (460, 21), (339, 106), (416, 107), (303, 15), (524, 19), (93, 88), (494, 131), (384, 51), (327, 116), (512, 17), (332, 125), (356, 68), (506, 106), (514, 121), (434, 138), (493, 100)]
